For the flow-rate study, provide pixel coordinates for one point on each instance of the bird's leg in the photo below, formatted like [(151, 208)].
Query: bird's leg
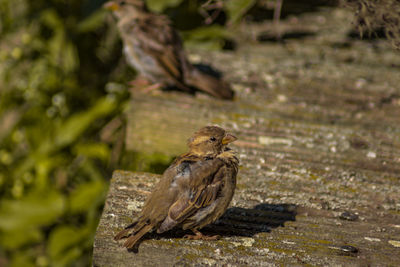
[(144, 85), (198, 235)]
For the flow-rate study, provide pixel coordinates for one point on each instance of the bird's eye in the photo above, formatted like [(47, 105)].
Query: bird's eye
[(213, 139), (122, 3)]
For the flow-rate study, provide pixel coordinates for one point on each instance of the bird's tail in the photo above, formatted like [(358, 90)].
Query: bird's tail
[(126, 232), (131, 241), (209, 84)]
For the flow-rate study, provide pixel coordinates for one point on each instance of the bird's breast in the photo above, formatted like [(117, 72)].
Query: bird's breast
[(143, 62)]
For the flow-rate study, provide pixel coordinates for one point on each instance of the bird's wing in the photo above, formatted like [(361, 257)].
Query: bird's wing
[(158, 38), (200, 191)]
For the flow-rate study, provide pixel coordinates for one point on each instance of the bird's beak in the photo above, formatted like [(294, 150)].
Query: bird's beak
[(228, 138), (111, 5)]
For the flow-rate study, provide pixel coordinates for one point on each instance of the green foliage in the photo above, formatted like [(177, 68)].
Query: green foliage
[(210, 38), (37, 208), (52, 163), (237, 8), (63, 253), (86, 196), (154, 162), (60, 64), (160, 5)]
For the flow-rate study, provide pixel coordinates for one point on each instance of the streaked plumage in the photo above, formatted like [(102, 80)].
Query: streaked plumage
[(193, 192), (153, 47)]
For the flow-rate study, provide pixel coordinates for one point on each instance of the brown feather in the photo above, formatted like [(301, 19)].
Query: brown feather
[(194, 191), (122, 234), (131, 241)]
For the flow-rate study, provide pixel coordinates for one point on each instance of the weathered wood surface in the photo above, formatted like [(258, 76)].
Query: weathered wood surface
[(318, 121)]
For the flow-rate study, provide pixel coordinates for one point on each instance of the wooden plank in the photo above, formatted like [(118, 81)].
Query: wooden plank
[(318, 122), (252, 234)]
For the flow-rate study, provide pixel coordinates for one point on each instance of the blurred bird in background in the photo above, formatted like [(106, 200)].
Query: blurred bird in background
[(193, 192), (153, 47)]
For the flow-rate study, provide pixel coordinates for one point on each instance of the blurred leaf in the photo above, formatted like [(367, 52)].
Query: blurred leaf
[(237, 8), (55, 46), (35, 209), (210, 37), (93, 150), (22, 259), (160, 5), (91, 170), (18, 237), (87, 195), (51, 19), (43, 166), (70, 57), (62, 247), (213, 44), (208, 32), (92, 22), (62, 52), (8, 120), (68, 257), (78, 123), (141, 161)]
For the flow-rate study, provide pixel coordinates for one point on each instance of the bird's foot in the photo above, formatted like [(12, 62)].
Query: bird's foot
[(143, 85), (199, 236)]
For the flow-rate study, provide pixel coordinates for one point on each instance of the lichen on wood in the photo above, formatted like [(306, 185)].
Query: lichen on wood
[(319, 144)]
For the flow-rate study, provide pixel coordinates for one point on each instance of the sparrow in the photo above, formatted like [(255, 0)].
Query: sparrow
[(193, 192), (154, 48)]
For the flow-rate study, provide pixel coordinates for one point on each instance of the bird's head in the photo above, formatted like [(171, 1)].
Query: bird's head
[(210, 141), (123, 8)]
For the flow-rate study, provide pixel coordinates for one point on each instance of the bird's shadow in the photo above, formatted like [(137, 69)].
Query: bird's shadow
[(248, 222), (208, 69), (272, 37), (205, 69), (240, 222)]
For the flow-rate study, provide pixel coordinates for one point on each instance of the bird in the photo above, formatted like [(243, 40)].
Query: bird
[(194, 191), (154, 48)]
